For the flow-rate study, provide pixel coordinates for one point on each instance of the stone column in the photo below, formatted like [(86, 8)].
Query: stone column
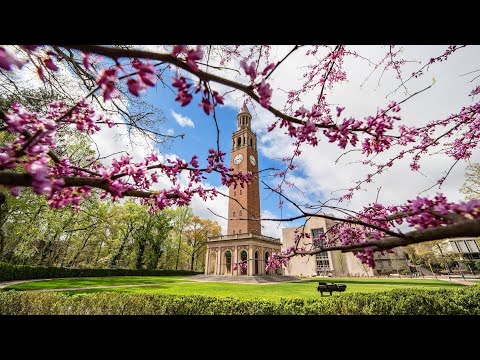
[(236, 260), (219, 261), (251, 260), (207, 258)]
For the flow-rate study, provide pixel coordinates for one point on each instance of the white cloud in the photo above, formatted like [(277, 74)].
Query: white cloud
[(318, 176), (182, 120), (218, 205), (271, 228)]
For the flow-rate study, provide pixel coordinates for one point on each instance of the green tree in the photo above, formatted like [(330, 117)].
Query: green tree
[(196, 235), (471, 186)]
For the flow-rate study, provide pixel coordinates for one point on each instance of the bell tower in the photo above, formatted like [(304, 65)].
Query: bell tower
[(244, 203)]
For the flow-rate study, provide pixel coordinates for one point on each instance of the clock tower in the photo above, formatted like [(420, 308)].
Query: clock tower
[(244, 203), (243, 250)]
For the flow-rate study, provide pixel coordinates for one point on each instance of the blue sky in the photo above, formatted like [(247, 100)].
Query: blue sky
[(202, 136)]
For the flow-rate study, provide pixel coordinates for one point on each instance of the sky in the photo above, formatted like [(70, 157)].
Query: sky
[(318, 176)]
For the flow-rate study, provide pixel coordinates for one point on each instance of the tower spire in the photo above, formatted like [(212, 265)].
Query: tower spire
[(244, 108), (244, 117)]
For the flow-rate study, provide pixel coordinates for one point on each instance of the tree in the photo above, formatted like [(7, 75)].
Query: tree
[(31, 160), (471, 187), (197, 234)]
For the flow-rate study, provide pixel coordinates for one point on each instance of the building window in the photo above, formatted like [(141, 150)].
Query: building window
[(315, 233), (233, 232), (234, 214), (323, 264), (322, 261), (240, 213), (240, 231), (240, 192), (234, 193)]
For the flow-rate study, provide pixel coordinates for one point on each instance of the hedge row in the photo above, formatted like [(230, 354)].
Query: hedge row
[(24, 272), (465, 301)]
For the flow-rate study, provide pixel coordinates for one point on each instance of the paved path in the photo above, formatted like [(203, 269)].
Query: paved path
[(459, 281), (4, 284), (257, 280)]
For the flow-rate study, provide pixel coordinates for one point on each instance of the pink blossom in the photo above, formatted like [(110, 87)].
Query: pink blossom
[(265, 93), (475, 91), (7, 60), (268, 68), (206, 105), (50, 64), (217, 97), (107, 79), (193, 56), (249, 69), (178, 49), (135, 87)]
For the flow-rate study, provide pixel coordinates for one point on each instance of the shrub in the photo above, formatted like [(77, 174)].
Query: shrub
[(25, 272), (464, 301)]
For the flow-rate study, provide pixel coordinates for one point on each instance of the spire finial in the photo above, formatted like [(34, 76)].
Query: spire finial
[(244, 108)]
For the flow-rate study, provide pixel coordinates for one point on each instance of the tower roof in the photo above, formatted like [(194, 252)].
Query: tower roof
[(244, 108)]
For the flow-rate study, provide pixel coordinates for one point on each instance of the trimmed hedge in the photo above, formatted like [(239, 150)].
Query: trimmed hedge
[(465, 301), (25, 272)]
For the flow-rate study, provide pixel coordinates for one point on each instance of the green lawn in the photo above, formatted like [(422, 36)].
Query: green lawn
[(171, 285), (95, 281)]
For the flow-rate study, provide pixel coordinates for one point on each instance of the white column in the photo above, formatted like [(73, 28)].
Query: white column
[(218, 261), (251, 261), (207, 258)]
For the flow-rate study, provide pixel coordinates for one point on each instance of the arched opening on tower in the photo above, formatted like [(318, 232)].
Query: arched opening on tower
[(239, 141), (244, 263), (228, 262), (256, 263)]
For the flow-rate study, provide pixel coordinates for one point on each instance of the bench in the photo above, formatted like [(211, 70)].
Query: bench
[(324, 287)]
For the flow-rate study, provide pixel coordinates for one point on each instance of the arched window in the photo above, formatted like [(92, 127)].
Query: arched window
[(234, 193), (243, 259), (234, 214), (239, 141), (240, 192), (267, 255), (240, 213), (228, 261), (233, 232)]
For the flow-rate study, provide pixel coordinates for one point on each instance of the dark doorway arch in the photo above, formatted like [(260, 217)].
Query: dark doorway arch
[(267, 255), (243, 262), (228, 262), (256, 263)]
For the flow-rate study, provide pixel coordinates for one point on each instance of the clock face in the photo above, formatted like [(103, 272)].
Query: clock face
[(252, 160), (238, 159)]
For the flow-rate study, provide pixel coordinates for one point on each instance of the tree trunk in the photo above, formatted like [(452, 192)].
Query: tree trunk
[(116, 257), (192, 262), (74, 260), (3, 200), (140, 253), (178, 252)]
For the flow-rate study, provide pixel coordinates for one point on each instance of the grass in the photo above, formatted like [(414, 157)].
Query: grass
[(177, 285), (95, 282)]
